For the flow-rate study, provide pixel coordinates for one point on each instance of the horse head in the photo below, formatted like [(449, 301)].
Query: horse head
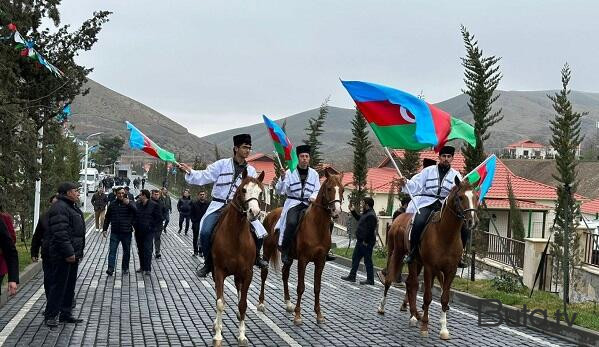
[(330, 195), (463, 200), (247, 198)]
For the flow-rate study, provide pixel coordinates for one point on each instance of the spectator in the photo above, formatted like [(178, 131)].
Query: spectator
[(365, 241), (9, 257), (166, 200), (184, 208), (198, 209), (129, 194), (111, 197), (99, 201), (156, 197), (147, 221), (64, 241), (36, 243), (143, 183), (121, 216), (404, 205)]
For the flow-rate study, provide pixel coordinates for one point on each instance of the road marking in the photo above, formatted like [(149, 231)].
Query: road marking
[(141, 285), (352, 287), (118, 284), (290, 341), (271, 285), (8, 329), (206, 284), (329, 285), (184, 284), (163, 284), (90, 230)]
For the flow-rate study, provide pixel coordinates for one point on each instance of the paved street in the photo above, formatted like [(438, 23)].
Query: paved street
[(174, 307)]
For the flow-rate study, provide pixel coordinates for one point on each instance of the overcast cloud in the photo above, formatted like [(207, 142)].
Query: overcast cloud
[(215, 65)]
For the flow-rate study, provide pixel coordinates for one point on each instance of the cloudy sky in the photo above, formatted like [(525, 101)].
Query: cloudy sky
[(216, 65)]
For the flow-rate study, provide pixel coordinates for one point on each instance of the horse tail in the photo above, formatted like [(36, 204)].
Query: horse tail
[(270, 244)]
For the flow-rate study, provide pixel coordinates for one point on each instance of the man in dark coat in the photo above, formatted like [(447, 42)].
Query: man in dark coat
[(198, 209), (36, 243), (99, 201), (184, 208), (148, 221), (168, 208), (121, 215), (365, 241), (65, 242)]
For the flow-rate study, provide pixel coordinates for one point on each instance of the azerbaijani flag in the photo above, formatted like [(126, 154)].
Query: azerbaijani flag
[(283, 146), (404, 121), (137, 140), (482, 177)]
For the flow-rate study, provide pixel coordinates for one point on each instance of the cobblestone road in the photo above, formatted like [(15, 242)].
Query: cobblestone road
[(174, 307)]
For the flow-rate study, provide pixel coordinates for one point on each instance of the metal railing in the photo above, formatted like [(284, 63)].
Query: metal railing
[(591, 249), (501, 249)]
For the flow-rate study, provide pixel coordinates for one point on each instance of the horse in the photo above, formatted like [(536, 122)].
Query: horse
[(312, 242), (233, 250), (440, 251)]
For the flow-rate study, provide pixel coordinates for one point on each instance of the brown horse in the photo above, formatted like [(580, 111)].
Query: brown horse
[(234, 250), (439, 253), (312, 243)]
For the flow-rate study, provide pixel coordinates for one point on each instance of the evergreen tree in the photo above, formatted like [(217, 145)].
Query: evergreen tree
[(216, 154), (314, 130), (362, 145), (391, 197), (565, 140), (409, 164), (109, 151), (516, 223), (482, 77)]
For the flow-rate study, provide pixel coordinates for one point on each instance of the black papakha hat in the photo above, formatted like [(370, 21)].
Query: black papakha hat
[(302, 149), (426, 162), (241, 139), (64, 187), (447, 150)]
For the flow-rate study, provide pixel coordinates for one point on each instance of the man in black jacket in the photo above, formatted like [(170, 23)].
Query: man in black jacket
[(365, 241), (121, 215), (64, 242), (168, 208), (198, 209), (148, 220), (36, 243), (99, 202), (184, 208)]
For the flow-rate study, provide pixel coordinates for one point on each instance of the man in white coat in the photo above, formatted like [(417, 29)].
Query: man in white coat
[(226, 176), (301, 188), (430, 188)]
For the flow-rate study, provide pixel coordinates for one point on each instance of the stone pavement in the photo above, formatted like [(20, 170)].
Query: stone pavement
[(174, 307)]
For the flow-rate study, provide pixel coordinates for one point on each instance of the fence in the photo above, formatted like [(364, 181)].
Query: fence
[(501, 249), (591, 249)]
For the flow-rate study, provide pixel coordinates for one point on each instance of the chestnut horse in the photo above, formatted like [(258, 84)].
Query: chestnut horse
[(234, 250), (311, 244), (440, 251)]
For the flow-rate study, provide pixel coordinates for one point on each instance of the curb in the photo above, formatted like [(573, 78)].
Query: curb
[(574, 334)]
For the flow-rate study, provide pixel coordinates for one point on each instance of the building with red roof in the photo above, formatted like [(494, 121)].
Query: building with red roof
[(528, 149)]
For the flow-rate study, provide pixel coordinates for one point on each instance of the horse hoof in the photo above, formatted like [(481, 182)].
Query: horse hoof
[(217, 343), (444, 335), (403, 309), (413, 321), (289, 307), (381, 310), (423, 333), (297, 321), (320, 320), (242, 342), (261, 308)]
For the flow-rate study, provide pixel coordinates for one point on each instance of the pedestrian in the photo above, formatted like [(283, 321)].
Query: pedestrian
[(365, 241), (156, 197), (129, 194), (99, 201), (198, 209), (120, 216), (36, 243), (127, 181), (165, 182), (148, 220), (136, 183), (9, 257), (184, 208), (111, 197), (143, 183), (166, 200), (64, 241)]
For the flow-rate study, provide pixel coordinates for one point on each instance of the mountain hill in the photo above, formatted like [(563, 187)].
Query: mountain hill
[(104, 110)]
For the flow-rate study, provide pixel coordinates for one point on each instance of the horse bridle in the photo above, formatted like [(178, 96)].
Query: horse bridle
[(458, 211), (329, 206), (243, 209)]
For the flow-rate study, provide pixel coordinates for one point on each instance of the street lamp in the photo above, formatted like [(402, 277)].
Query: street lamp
[(85, 171)]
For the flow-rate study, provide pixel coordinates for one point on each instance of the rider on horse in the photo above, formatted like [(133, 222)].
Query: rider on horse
[(226, 176), (429, 188), (301, 188)]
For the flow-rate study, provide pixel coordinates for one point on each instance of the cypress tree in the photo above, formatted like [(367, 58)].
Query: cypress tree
[(482, 77), (516, 223), (314, 130), (216, 154), (361, 145)]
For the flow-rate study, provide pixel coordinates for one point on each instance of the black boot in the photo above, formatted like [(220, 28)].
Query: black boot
[(206, 269), (330, 256), (409, 258), (285, 258), (260, 261)]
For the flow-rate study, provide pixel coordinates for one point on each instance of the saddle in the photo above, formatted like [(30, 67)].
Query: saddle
[(434, 218)]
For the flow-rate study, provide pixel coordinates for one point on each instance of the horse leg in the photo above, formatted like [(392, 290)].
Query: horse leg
[(288, 304), (301, 273), (238, 285), (411, 292), (393, 263), (319, 266), (447, 280), (428, 297), (219, 281), (263, 275), (242, 305)]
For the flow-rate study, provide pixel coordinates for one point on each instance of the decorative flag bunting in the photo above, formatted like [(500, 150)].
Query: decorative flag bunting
[(64, 115), (27, 49), (404, 121), (482, 177), (137, 140), (283, 146)]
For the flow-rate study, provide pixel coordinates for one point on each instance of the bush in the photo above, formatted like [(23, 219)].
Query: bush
[(506, 283), (380, 252)]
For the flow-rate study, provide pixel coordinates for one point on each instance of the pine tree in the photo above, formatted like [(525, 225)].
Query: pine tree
[(565, 140), (409, 164), (314, 130), (391, 197), (516, 223), (482, 77), (362, 145), (216, 154)]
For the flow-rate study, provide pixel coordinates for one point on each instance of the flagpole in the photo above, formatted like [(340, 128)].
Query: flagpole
[(400, 175)]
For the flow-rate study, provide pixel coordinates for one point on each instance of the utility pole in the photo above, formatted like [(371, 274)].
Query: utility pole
[(85, 171), (38, 179)]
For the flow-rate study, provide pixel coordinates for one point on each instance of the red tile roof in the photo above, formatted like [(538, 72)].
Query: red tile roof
[(263, 162), (526, 144), (501, 204), (590, 207)]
